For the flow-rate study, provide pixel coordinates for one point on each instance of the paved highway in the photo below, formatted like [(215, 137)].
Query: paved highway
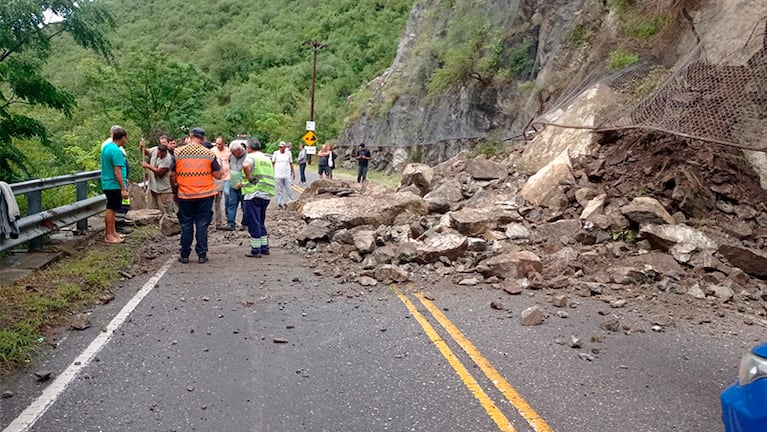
[(268, 345)]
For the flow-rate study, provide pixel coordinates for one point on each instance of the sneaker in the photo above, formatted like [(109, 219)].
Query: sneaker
[(253, 255), (228, 228), (203, 259), (183, 260), (243, 228), (263, 252)]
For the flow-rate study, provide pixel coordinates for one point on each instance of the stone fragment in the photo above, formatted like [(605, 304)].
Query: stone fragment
[(145, 216), (586, 356), (280, 340), (575, 342), (666, 236), (751, 261), (364, 241), (444, 196), (80, 321), (517, 231), (472, 281), (418, 174), (563, 314), (473, 221), (544, 187), (497, 305), (513, 265), (348, 212), (532, 316), (43, 375), (646, 210), (7, 394), (696, 291), (616, 304), (722, 292), (611, 325), (585, 195), (627, 275), (512, 287), (480, 168), (594, 206), (316, 230), (449, 245), (559, 301), (367, 281), (745, 212), (555, 230), (739, 229), (388, 273)]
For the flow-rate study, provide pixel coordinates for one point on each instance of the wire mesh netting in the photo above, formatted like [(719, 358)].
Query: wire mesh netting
[(714, 100)]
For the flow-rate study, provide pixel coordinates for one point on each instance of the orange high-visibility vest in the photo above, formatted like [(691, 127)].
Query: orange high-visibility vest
[(194, 172)]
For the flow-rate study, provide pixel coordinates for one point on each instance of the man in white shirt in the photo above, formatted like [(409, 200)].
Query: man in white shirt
[(282, 161)]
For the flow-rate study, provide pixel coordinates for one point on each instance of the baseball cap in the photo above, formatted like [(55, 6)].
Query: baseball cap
[(282, 144), (198, 132), (114, 128), (362, 144), (162, 147), (207, 144)]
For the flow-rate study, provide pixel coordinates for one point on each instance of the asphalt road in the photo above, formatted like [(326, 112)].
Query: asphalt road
[(242, 344)]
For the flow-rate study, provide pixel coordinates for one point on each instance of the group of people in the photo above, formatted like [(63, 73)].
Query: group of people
[(207, 182)]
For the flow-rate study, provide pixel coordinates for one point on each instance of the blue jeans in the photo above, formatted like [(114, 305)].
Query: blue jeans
[(283, 188), (195, 214), (233, 199), (255, 219), (302, 169), (362, 173)]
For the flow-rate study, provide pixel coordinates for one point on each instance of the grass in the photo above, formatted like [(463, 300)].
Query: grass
[(387, 180), (33, 306)]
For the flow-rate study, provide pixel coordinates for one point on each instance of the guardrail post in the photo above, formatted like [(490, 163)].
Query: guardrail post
[(34, 206), (81, 190)]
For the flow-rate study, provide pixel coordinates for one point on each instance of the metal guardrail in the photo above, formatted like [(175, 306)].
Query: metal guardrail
[(38, 223)]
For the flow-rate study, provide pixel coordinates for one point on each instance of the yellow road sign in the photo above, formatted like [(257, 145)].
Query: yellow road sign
[(310, 138)]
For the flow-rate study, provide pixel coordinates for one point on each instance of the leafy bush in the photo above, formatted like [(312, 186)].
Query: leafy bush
[(489, 149), (621, 59)]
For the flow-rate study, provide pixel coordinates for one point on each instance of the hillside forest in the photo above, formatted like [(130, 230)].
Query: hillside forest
[(161, 67)]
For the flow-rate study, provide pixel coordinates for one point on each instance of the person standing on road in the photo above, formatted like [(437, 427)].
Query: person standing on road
[(282, 161), (222, 152), (191, 176), (323, 168), (257, 189), (159, 180), (301, 160), (363, 157), (113, 181), (234, 199)]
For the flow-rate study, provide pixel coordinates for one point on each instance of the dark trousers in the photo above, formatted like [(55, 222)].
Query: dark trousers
[(255, 220), (302, 170), (362, 173), (195, 214)]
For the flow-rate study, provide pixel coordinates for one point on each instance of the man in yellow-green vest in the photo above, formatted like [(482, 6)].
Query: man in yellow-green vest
[(257, 190)]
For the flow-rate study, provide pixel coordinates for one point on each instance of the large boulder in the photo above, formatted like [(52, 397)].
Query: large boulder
[(646, 210), (419, 175), (314, 231), (514, 265), (444, 196), (482, 169), (349, 212), (473, 221), (450, 245), (751, 261), (594, 206), (667, 236), (364, 241), (144, 216), (545, 187)]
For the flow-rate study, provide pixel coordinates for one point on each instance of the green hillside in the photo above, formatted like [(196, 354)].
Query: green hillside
[(231, 66)]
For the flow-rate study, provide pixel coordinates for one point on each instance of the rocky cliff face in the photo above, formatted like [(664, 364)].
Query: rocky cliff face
[(569, 43)]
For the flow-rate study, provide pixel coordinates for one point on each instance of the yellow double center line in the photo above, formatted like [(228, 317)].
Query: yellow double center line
[(296, 188), (514, 398)]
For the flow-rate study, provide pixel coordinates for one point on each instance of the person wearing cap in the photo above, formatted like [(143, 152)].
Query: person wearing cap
[(257, 189), (282, 161), (159, 180), (238, 153), (191, 177), (113, 181), (363, 157)]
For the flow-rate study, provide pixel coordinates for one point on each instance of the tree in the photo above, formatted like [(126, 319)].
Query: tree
[(155, 92), (26, 30)]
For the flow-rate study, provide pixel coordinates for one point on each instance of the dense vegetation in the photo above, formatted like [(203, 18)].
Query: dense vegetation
[(231, 66)]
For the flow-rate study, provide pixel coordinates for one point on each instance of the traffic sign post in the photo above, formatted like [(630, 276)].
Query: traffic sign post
[(310, 138)]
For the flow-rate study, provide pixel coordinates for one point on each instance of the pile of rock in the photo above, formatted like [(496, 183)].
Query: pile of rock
[(478, 221)]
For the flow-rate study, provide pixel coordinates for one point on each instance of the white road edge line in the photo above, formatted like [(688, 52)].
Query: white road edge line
[(39, 406)]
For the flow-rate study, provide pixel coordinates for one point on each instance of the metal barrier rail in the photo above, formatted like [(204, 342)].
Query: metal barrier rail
[(38, 223)]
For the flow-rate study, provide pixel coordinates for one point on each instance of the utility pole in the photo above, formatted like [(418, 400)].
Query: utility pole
[(316, 46)]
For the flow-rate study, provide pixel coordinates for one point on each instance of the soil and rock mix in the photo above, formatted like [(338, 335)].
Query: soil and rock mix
[(670, 227)]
